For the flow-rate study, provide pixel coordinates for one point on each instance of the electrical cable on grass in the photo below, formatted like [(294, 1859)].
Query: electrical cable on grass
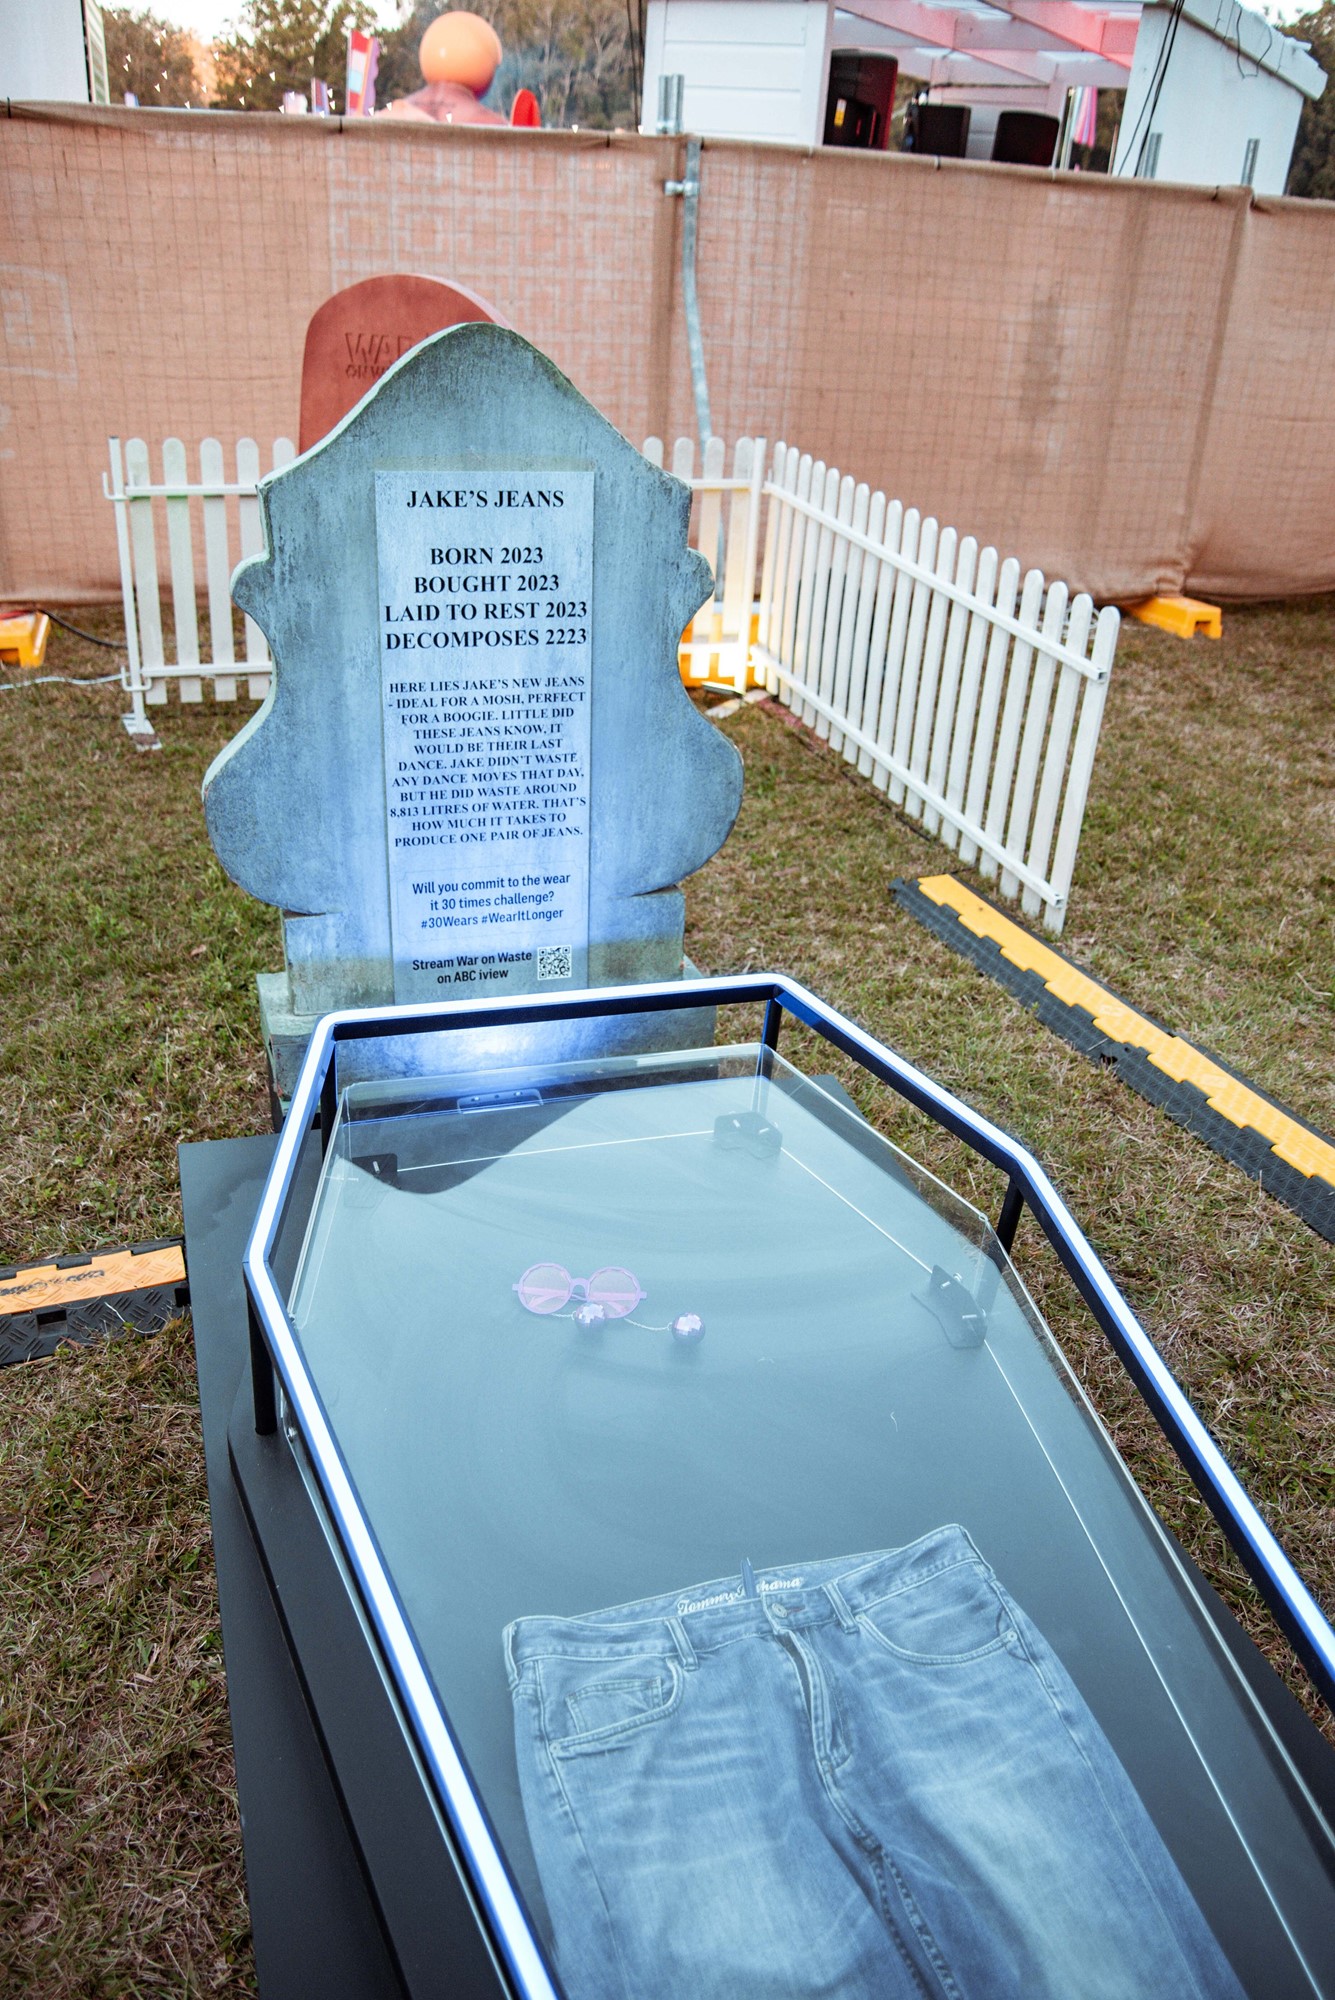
[(112, 645), (65, 680)]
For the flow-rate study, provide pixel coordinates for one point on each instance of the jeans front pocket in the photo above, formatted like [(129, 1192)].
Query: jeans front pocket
[(593, 1704), (946, 1619)]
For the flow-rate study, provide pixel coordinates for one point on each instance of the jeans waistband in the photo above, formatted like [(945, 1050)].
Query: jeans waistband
[(686, 1623)]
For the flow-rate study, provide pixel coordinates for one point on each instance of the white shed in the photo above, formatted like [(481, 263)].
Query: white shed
[(1214, 97), (53, 51)]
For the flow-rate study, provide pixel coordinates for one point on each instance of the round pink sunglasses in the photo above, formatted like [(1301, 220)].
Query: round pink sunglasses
[(610, 1293)]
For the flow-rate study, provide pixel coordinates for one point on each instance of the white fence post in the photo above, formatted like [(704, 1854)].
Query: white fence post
[(132, 679)]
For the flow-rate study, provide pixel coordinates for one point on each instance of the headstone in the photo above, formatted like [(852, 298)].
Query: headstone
[(477, 771), (359, 333)]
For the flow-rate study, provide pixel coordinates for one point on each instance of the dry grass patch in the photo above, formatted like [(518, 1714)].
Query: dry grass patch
[(118, 1820)]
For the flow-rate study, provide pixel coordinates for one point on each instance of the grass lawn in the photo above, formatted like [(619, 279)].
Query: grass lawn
[(127, 1023)]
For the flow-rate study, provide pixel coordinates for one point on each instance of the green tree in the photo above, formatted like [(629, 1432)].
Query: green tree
[(150, 57), (280, 45), (1312, 169), (578, 57)]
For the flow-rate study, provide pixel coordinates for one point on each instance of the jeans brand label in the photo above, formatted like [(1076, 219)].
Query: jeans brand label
[(764, 1585)]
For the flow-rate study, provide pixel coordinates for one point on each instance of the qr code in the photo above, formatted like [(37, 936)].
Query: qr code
[(554, 962)]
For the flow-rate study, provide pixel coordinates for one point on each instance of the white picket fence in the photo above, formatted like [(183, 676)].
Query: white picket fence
[(972, 697), (195, 517), (971, 694)]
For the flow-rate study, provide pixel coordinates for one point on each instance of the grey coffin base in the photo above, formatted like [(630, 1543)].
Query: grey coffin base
[(286, 1035), (315, 1926)]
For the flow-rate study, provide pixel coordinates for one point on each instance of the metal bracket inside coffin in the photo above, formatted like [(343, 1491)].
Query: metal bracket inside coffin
[(954, 1308)]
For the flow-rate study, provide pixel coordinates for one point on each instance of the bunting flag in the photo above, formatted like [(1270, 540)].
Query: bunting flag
[(1086, 118), (363, 57)]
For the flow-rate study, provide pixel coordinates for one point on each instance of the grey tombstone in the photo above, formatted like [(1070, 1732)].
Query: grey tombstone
[(477, 771)]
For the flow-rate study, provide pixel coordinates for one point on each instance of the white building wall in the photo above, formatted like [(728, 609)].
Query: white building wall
[(754, 69), (1230, 78), (41, 51)]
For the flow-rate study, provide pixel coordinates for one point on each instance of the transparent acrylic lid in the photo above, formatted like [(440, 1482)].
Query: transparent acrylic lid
[(844, 1395)]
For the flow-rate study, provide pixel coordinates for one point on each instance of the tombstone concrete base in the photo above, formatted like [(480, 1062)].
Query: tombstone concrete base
[(286, 1035)]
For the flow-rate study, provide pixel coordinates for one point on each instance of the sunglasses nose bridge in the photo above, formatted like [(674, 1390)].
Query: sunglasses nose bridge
[(579, 1288)]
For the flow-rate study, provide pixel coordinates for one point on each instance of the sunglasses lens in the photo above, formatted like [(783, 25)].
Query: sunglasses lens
[(615, 1290), (544, 1288)]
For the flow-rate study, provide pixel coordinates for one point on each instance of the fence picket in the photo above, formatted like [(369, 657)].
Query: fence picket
[(887, 584), (989, 707), (707, 543), (181, 558), (217, 570), (815, 584), (802, 535), (709, 504), (901, 606), (907, 688), (770, 565), (1012, 714), (739, 578), (1082, 763), (832, 605), (738, 582), (942, 722), (788, 524), (924, 705), (860, 648), (849, 612), (653, 451), (252, 544), (970, 681), (1058, 748), (1036, 708)]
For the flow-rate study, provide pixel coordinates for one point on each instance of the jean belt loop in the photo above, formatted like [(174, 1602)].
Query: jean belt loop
[(512, 1671), (681, 1640), (840, 1604)]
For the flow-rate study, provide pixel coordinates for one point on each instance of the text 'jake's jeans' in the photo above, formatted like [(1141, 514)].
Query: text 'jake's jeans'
[(862, 1777)]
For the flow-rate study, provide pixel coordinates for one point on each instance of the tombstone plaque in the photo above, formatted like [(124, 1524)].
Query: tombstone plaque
[(485, 588), (477, 770)]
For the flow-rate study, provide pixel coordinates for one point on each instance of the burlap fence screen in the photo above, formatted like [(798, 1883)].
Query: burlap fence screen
[(1126, 384)]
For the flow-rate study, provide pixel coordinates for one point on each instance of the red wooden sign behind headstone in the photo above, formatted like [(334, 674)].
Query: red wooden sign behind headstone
[(359, 333)]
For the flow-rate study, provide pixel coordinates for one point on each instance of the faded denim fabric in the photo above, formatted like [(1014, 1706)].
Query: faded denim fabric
[(862, 1777)]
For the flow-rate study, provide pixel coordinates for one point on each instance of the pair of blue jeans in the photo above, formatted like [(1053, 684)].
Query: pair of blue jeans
[(862, 1777)]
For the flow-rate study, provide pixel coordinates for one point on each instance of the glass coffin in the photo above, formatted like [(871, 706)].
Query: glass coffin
[(770, 1608)]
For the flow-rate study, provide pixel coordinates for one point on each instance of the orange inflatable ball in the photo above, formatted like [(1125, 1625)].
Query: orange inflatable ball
[(460, 47)]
